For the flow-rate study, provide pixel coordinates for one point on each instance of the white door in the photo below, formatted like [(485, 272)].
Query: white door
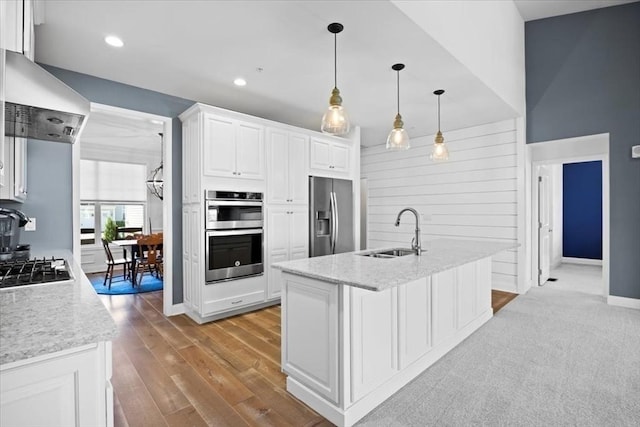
[(544, 225)]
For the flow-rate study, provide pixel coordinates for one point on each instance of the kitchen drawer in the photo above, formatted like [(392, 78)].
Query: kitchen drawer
[(231, 303), (232, 294)]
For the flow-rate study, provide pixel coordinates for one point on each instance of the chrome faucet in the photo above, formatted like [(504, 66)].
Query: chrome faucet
[(415, 242)]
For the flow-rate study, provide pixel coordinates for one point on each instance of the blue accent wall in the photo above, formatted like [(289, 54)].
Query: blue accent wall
[(582, 210), (583, 78), (116, 94), (48, 197)]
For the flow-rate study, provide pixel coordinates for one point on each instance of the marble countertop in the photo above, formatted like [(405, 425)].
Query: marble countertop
[(377, 274), (43, 319)]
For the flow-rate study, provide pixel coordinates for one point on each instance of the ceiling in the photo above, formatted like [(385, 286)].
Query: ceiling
[(107, 129), (195, 49), (539, 9)]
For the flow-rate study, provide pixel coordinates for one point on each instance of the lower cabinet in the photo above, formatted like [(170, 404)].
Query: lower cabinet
[(231, 295), (382, 338), (287, 228), (71, 388)]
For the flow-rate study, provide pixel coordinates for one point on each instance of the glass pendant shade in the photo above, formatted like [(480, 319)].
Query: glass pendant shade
[(398, 138), (439, 151), (335, 120)]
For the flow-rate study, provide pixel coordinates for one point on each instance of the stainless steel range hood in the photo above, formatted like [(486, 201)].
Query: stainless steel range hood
[(38, 105)]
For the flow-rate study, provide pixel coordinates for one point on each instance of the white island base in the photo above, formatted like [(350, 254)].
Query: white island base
[(346, 349)]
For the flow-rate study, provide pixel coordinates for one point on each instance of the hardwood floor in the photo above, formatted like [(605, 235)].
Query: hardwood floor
[(500, 298), (174, 372)]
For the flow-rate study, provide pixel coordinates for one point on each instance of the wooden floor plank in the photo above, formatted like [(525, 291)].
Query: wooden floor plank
[(257, 413), (268, 350), (186, 417), (228, 386), (119, 419), (210, 406)]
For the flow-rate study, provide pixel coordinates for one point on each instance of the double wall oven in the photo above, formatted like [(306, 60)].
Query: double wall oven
[(233, 236)]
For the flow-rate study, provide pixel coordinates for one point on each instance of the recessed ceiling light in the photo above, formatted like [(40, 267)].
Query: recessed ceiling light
[(157, 122), (114, 41), (240, 82)]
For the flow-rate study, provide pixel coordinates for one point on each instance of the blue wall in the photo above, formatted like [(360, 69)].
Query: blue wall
[(582, 210), (583, 78), (134, 98), (48, 197)]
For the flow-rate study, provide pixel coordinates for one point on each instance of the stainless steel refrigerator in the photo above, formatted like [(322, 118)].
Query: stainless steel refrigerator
[(331, 228)]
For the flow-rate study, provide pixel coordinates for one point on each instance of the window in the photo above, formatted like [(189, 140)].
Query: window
[(110, 190)]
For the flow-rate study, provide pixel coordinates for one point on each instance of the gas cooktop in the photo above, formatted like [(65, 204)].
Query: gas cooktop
[(34, 271)]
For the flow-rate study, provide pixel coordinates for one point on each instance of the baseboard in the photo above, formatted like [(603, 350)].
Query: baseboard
[(624, 302), (583, 261)]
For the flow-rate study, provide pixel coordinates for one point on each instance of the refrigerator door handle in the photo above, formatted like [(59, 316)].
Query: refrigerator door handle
[(337, 222), (334, 220)]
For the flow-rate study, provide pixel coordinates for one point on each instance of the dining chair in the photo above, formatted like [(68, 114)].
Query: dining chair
[(149, 256), (112, 263)]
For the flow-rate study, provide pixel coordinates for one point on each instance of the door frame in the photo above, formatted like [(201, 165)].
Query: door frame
[(167, 215), (571, 150)]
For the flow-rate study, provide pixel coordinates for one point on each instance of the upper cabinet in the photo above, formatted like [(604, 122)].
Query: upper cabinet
[(287, 173), (15, 170), (330, 157), (233, 148), (17, 26)]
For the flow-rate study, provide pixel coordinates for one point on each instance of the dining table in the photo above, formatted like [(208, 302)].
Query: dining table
[(130, 246)]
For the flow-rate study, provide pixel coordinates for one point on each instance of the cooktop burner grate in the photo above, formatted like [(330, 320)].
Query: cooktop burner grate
[(33, 271)]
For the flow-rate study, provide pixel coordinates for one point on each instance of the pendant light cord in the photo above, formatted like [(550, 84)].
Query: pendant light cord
[(438, 113), (335, 60), (398, 87)]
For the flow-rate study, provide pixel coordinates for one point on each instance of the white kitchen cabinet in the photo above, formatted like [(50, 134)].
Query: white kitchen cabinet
[(223, 296), (374, 338), (383, 339), (414, 322), (233, 148), (17, 26), (310, 352), (287, 228), (2, 100), (68, 388), (287, 173), (330, 157), (15, 170)]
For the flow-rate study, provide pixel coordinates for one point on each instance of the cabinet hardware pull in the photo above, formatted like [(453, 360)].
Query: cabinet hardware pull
[(236, 302)]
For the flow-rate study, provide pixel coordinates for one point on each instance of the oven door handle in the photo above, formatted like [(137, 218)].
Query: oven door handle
[(214, 203), (234, 232)]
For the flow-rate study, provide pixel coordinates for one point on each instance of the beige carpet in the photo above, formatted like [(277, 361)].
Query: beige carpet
[(548, 358)]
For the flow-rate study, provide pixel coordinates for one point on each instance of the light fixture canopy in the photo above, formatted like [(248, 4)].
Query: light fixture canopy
[(398, 138), (335, 120), (155, 183), (439, 151)]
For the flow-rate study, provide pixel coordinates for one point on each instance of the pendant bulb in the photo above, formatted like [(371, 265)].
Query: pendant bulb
[(439, 150), (335, 120), (398, 138)]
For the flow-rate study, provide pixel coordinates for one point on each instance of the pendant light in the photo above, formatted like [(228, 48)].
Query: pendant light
[(155, 183), (439, 151), (335, 121), (398, 138)]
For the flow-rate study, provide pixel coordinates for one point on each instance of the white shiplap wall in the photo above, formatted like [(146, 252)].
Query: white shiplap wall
[(473, 195)]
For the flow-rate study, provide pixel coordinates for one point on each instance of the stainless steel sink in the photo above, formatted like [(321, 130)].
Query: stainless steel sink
[(390, 253)]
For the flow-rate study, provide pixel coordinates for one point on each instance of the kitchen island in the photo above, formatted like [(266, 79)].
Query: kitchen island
[(357, 328), (55, 354)]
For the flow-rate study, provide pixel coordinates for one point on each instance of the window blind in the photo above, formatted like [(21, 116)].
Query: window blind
[(100, 180)]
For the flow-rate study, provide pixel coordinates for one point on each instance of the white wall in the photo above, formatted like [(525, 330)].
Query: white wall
[(555, 174), (471, 196), (485, 36)]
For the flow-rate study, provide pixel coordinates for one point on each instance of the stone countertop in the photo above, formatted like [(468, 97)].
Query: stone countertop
[(43, 319), (377, 274)]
